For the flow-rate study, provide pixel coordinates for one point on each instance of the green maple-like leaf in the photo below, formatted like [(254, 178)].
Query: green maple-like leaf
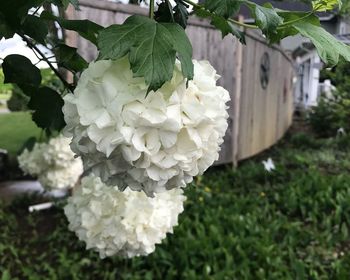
[(164, 12), (151, 47), (224, 8), (85, 28), (47, 106), (36, 28), (69, 58), (19, 70), (328, 47), (266, 17), (181, 14), (326, 5), (222, 24)]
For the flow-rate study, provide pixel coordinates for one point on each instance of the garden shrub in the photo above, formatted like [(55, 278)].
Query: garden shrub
[(333, 112), (18, 100)]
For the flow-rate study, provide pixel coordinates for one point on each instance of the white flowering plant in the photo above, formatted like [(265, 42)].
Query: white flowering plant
[(144, 117), (125, 223), (152, 143), (53, 163), (152, 44)]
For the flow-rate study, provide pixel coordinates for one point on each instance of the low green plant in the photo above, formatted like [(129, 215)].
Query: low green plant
[(291, 223), (18, 100), (13, 139)]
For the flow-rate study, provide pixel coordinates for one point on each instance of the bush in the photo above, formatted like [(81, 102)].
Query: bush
[(18, 100), (331, 114), (334, 112)]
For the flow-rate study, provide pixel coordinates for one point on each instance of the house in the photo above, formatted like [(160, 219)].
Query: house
[(307, 62)]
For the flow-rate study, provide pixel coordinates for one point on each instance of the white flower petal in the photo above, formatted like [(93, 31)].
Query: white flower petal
[(164, 138), (125, 223)]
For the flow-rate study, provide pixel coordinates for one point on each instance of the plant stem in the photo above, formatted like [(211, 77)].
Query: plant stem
[(230, 19), (295, 20), (44, 58), (151, 9), (251, 26)]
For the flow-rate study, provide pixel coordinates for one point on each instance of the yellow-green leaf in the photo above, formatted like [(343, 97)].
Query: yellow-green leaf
[(325, 5)]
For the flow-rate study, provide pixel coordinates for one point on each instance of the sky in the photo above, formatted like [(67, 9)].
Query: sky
[(15, 45)]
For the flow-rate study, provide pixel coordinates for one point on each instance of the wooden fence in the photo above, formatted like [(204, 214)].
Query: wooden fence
[(258, 77)]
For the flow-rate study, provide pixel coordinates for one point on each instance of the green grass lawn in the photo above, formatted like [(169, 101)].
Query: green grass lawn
[(246, 223), (15, 129)]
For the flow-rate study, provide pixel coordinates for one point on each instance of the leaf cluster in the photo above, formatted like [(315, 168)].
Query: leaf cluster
[(152, 45), (22, 17)]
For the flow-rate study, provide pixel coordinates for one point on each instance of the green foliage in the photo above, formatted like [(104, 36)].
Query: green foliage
[(19, 70), (237, 224), (47, 105), (85, 28), (326, 5), (339, 75), (181, 13), (322, 40), (222, 24), (15, 129), (18, 100), (224, 8), (151, 46), (266, 17), (45, 102), (70, 59), (333, 112), (330, 114), (34, 27), (5, 89)]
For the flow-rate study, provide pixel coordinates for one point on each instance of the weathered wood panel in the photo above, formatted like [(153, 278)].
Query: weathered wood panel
[(258, 117), (266, 114)]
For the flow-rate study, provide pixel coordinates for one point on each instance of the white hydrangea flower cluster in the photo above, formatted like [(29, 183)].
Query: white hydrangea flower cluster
[(127, 223), (151, 142), (53, 163)]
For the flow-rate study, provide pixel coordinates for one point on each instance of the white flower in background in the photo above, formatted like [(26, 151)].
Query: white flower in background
[(268, 165), (341, 131), (126, 223), (150, 143), (53, 163)]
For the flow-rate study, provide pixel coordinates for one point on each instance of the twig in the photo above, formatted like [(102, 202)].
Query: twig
[(230, 19), (151, 9), (35, 48), (37, 9)]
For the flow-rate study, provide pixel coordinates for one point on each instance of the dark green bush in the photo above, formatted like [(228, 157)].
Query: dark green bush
[(18, 100), (331, 114)]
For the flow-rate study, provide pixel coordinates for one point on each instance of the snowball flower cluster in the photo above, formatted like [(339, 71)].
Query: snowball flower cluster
[(53, 163), (126, 223), (151, 142)]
